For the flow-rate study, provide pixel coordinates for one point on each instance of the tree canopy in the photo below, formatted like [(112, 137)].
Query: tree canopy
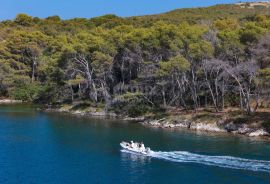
[(186, 58)]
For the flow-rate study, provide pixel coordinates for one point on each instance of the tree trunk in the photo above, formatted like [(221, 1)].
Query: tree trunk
[(257, 102), (33, 70), (164, 97), (91, 83), (106, 96), (194, 90), (248, 108), (211, 91), (241, 100), (181, 93), (205, 100), (213, 97), (222, 96), (217, 94), (72, 95)]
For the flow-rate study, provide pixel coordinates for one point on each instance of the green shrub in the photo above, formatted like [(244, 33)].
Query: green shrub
[(26, 92), (137, 110)]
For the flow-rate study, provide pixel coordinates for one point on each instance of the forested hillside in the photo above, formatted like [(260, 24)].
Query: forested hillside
[(195, 15), (214, 57)]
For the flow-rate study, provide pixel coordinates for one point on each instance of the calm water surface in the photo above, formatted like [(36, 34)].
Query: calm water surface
[(38, 148)]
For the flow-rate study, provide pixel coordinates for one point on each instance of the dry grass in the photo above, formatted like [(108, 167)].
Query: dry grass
[(261, 118)]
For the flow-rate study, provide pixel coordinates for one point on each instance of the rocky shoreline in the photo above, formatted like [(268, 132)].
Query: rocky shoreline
[(220, 126), (10, 101), (177, 123)]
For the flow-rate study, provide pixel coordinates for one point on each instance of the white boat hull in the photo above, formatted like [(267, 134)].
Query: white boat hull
[(126, 146)]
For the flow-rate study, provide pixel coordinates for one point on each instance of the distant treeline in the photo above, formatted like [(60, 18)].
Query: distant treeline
[(140, 63)]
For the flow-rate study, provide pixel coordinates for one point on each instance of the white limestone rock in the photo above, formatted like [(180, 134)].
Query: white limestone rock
[(213, 127), (260, 132)]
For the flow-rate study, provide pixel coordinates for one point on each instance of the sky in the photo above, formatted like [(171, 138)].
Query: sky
[(67, 9)]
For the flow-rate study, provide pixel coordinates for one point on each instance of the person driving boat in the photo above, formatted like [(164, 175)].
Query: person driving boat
[(142, 147), (132, 144)]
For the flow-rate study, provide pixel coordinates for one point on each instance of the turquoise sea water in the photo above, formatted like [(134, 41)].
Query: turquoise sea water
[(36, 147)]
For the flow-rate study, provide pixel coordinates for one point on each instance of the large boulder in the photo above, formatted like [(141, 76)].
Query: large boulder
[(244, 130), (182, 123), (213, 127), (155, 123), (230, 127)]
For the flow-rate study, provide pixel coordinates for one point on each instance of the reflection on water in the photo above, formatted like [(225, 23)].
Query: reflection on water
[(18, 111), (138, 158)]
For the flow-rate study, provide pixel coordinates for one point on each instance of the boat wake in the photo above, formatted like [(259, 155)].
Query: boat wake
[(219, 161)]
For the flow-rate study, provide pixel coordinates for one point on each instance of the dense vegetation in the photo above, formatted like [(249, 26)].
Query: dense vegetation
[(208, 57)]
